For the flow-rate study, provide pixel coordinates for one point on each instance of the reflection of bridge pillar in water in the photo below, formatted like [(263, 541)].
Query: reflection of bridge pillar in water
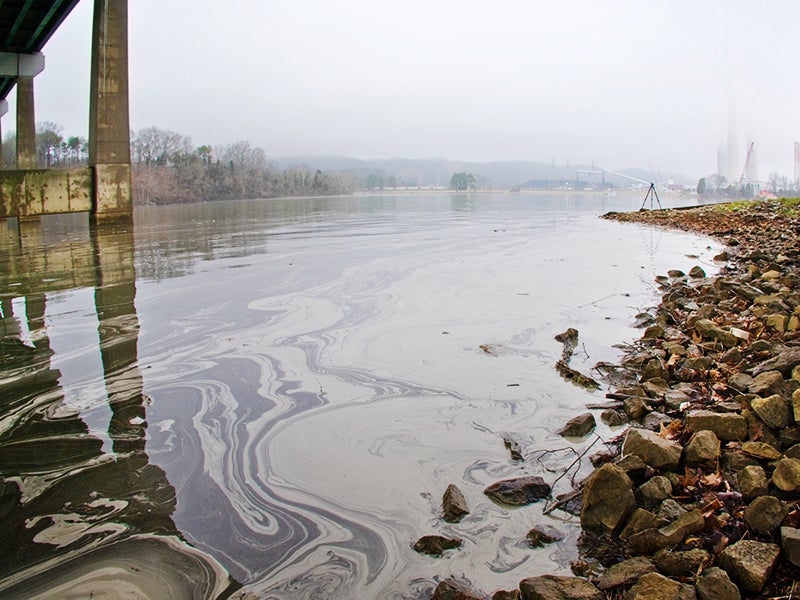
[(30, 232), (64, 507), (118, 330)]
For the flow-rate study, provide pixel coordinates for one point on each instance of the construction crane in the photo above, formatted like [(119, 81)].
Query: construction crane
[(747, 162)]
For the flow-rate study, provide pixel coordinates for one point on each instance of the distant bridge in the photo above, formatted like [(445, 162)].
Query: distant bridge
[(104, 187)]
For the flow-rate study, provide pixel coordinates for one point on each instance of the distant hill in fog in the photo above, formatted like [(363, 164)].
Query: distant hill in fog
[(424, 172)]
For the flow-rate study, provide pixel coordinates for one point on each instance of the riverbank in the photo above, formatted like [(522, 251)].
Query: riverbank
[(711, 480), (700, 496)]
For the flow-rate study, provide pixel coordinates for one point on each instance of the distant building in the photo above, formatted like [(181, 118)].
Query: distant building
[(732, 172), (797, 162), (722, 163)]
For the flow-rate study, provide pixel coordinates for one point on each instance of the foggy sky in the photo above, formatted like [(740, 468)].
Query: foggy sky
[(622, 83)]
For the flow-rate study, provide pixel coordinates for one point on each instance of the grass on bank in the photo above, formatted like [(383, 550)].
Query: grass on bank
[(789, 207)]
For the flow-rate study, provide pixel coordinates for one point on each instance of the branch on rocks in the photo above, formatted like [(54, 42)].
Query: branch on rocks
[(577, 460), (542, 453), (563, 501)]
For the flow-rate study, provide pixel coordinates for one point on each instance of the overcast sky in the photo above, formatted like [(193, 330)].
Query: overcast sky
[(624, 83)]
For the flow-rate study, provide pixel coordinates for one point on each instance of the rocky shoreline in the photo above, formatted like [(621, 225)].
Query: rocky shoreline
[(702, 497)]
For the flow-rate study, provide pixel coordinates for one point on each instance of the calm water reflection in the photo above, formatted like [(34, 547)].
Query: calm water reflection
[(270, 397)]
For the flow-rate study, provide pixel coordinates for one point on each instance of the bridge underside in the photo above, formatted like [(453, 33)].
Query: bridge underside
[(104, 188), (26, 26)]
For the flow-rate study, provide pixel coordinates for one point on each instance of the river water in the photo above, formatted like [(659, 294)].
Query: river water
[(269, 397)]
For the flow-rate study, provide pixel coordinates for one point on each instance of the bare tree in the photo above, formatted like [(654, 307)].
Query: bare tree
[(152, 145)]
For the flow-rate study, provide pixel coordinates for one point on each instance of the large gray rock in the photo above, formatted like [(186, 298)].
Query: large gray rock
[(454, 505), (612, 418), (749, 563), (452, 589), (790, 543), (654, 369), (772, 410), (670, 510), (741, 382), (654, 420), (784, 362), (702, 450), (735, 460), (633, 466), (636, 407), (796, 402), (658, 452), (673, 399), (765, 514), (726, 426), (608, 499), (553, 587), (786, 475), (697, 272), (714, 584), (640, 520), (625, 572), (745, 290), (655, 586), (520, 491), (651, 493), (578, 426), (683, 563), (752, 482), (506, 595), (436, 545), (650, 541), (761, 451), (766, 383), (542, 534), (711, 331)]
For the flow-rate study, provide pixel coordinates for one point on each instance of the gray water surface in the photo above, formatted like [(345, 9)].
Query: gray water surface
[(271, 396)]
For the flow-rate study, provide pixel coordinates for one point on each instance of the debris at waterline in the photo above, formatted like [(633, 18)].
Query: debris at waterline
[(707, 481), (570, 340), (719, 364)]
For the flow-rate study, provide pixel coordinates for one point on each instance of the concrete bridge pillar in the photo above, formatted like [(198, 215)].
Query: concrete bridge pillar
[(109, 121), (26, 125), (30, 228), (3, 112)]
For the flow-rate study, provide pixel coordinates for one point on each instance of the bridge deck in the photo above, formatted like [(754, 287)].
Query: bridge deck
[(25, 27)]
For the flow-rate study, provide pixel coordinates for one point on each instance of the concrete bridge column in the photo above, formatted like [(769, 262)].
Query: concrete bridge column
[(26, 124), (30, 228), (3, 112), (109, 121)]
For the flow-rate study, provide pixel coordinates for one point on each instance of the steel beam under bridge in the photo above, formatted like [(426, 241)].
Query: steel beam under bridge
[(104, 188)]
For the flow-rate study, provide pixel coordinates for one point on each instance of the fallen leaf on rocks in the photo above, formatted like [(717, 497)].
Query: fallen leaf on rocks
[(671, 431), (712, 507), (712, 480), (688, 479)]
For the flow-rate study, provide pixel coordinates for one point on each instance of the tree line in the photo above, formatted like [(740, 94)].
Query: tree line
[(167, 168)]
